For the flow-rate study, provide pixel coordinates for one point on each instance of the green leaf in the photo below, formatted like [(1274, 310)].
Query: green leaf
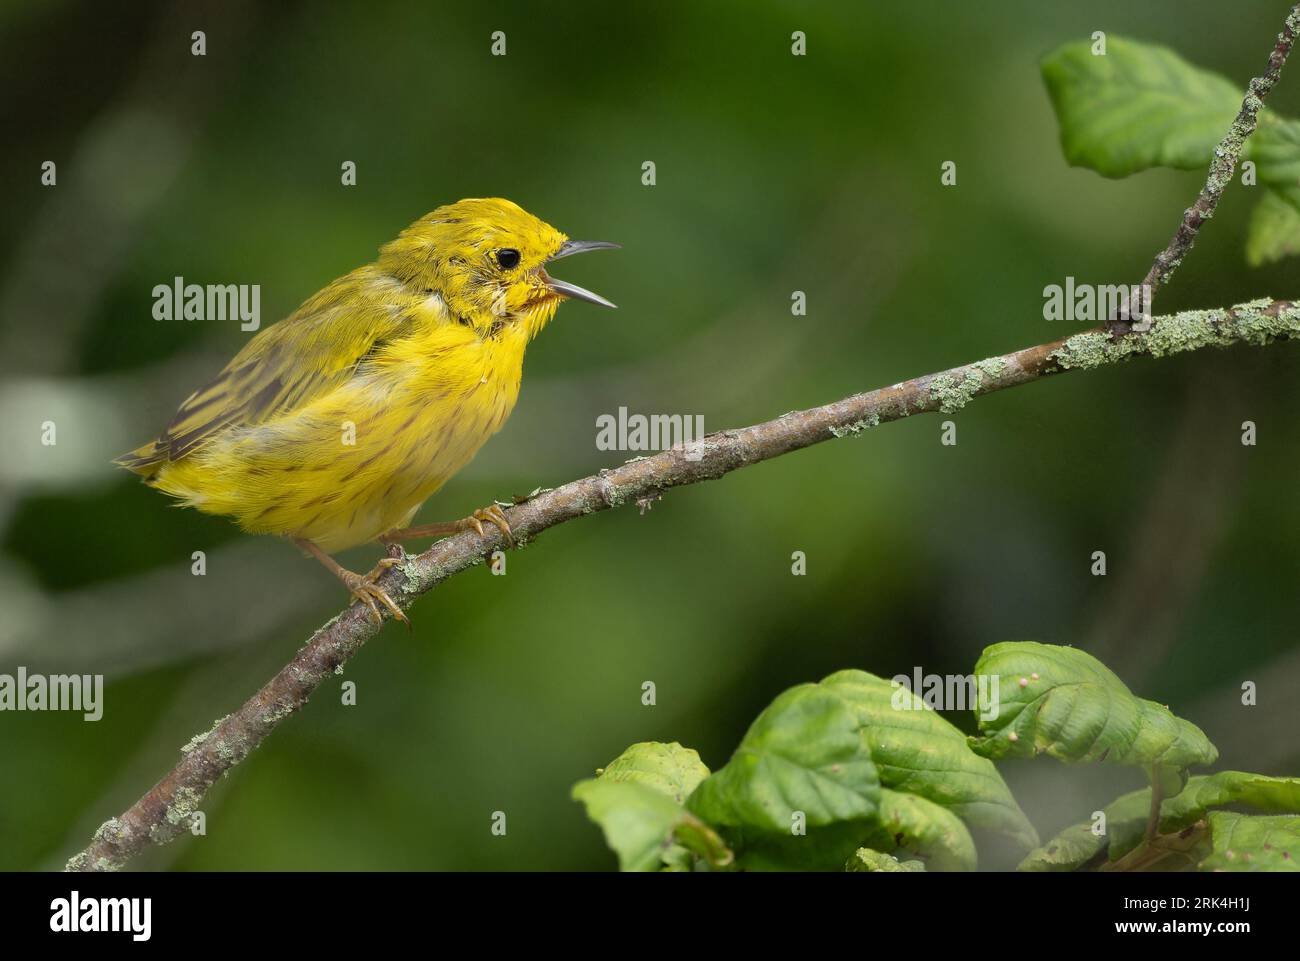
[(866, 860), (913, 825), (671, 769), (865, 761), (1275, 148), (1138, 106), (1074, 849), (1248, 843), (917, 751), (803, 765), (1126, 817), (1142, 106), (636, 800), (1269, 794), (1073, 708), (1274, 226), (637, 820)]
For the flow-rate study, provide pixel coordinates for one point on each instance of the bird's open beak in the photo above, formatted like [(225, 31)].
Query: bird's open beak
[(566, 289)]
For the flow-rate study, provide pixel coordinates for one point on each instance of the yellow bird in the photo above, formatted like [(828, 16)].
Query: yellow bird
[(333, 426)]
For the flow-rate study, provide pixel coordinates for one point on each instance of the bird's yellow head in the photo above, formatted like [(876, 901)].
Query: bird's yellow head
[(486, 258)]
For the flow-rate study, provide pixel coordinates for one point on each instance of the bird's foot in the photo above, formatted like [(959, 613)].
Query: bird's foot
[(493, 514), (364, 588)]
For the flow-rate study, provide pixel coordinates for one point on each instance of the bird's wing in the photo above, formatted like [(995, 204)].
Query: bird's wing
[(286, 366)]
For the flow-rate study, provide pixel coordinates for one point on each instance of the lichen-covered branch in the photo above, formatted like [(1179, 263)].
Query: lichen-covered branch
[(1222, 166), (166, 809)]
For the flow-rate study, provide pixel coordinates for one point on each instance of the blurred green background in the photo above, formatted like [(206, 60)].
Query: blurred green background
[(775, 173)]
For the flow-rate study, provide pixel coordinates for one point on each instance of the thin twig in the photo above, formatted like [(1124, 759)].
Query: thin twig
[(165, 811), (1222, 166)]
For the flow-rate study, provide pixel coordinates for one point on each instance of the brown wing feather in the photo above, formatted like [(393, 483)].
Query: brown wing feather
[(287, 365)]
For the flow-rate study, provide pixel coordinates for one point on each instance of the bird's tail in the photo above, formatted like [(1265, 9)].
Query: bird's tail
[(145, 460)]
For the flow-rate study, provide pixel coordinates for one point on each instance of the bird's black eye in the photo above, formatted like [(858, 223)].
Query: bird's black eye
[(508, 258)]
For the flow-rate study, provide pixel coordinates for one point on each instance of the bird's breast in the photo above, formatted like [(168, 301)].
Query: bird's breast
[(451, 395)]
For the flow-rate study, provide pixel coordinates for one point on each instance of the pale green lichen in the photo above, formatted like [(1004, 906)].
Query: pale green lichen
[(614, 496), (82, 862), (111, 831), (198, 739), (274, 715), (178, 815), (411, 571), (184, 807), (224, 749), (991, 368), (857, 427), (953, 394), (229, 755), (1257, 322), (422, 573)]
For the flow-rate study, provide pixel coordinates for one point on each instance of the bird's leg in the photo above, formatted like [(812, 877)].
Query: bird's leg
[(492, 514), (362, 586)]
